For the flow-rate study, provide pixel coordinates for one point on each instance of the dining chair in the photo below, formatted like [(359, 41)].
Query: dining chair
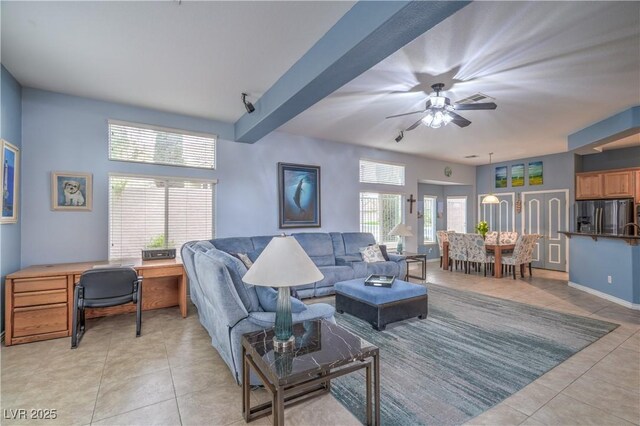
[(491, 237), (103, 287), (507, 237), (458, 251), (531, 245), (442, 237), (521, 254), (477, 251)]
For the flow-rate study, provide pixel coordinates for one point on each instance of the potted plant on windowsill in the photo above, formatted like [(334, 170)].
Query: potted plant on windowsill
[(482, 227)]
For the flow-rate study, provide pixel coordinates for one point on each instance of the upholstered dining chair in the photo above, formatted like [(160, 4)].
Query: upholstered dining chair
[(458, 251), (521, 254), (491, 237), (103, 287), (442, 236), (529, 255), (477, 252), (508, 237)]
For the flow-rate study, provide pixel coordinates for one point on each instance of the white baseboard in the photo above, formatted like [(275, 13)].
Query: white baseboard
[(610, 298)]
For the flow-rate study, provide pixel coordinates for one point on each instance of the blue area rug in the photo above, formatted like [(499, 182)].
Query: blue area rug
[(472, 352)]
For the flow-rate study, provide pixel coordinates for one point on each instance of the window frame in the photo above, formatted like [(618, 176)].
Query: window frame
[(434, 218), (391, 245), (466, 207), (214, 194), (389, 163), (167, 130)]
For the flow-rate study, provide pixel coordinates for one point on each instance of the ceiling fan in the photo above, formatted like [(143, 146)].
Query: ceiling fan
[(439, 110)]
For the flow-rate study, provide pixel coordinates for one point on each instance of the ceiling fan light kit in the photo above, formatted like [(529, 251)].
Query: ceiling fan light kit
[(439, 111)]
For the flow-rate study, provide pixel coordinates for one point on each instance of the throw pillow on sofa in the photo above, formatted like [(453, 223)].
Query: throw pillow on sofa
[(372, 254), (244, 258), (383, 250), (269, 300)]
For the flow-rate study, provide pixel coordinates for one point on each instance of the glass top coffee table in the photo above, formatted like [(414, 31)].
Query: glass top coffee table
[(323, 351)]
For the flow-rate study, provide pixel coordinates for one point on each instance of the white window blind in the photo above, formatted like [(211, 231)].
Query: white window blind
[(457, 214), (385, 173), (157, 212), (379, 213), (149, 144), (429, 219)]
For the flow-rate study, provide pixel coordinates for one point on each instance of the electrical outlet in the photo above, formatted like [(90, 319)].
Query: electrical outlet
[(430, 250), (609, 280)]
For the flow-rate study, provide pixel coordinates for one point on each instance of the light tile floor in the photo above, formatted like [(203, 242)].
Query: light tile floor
[(171, 375)]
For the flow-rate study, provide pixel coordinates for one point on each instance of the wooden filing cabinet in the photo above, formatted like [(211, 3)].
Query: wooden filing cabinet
[(39, 299)]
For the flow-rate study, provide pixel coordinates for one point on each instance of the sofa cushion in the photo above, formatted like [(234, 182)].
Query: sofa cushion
[(354, 240), (318, 247), (236, 268), (268, 298), (338, 243), (234, 244), (333, 274), (314, 311), (259, 243)]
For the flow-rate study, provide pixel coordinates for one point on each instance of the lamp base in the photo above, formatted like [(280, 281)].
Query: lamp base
[(283, 345)]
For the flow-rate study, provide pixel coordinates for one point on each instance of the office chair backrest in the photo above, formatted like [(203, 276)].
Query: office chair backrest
[(105, 283)]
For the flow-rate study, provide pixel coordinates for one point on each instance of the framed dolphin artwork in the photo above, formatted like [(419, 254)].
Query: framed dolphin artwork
[(299, 195)]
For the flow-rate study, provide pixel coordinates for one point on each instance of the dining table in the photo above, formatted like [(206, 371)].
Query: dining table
[(497, 249)]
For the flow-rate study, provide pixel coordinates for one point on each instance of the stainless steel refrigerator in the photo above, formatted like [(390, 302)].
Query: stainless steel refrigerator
[(604, 216)]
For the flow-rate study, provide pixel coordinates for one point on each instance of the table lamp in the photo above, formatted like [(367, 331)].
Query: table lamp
[(283, 263), (401, 231)]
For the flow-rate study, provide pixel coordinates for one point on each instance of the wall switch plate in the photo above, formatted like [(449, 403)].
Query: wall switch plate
[(609, 280)]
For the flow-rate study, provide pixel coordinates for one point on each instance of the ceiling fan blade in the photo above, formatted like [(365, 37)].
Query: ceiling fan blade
[(485, 105), (414, 125), (459, 120), (406, 113)]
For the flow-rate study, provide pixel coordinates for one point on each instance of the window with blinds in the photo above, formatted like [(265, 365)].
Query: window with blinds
[(157, 212), (379, 213), (457, 214), (429, 217), (384, 173), (141, 143)]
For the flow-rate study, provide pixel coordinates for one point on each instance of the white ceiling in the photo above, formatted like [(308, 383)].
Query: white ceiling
[(193, 58), (553, 67)]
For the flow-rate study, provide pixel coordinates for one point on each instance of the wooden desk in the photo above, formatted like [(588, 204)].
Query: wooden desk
[(39, 299), (497, 248)]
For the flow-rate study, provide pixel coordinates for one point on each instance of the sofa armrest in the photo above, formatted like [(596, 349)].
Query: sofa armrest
[(397, 257)]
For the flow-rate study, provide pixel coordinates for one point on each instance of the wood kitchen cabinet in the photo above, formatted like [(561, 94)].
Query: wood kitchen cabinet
[(589, 186), (618, 184), (637, 186)]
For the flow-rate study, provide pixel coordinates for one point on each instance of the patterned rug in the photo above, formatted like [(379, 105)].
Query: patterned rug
[(472, 352)]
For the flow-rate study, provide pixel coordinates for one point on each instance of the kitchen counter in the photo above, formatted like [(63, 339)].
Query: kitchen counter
[(630, 239)]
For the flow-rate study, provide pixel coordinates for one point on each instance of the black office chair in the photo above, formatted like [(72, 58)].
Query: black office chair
[(99, 288)]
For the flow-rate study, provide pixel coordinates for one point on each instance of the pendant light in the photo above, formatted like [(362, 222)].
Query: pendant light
[(490, 199)]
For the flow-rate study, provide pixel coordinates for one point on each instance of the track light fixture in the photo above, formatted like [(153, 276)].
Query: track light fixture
[(247, 105), (400, 136)]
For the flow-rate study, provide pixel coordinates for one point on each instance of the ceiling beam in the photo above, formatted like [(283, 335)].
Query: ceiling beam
[(364, 36)]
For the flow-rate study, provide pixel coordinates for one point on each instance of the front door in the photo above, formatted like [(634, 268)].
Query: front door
[(545, 213)]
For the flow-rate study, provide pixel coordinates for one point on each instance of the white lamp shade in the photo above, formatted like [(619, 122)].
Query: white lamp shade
[(490, 199), (282, 263), (400, 230)]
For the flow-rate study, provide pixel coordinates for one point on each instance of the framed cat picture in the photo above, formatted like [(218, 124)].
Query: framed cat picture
[(71, 191)]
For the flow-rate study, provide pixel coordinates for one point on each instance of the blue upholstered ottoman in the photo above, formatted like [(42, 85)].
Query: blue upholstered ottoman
[(380, 306)]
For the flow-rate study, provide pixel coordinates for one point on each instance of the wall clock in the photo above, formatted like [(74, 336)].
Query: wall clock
[(447, 171)]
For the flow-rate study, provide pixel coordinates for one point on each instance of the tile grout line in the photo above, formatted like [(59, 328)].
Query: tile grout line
[(173, 384), (104, 366)]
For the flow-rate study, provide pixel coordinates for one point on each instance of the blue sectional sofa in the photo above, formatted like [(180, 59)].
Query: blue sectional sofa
[(229, 308), (336, 254)]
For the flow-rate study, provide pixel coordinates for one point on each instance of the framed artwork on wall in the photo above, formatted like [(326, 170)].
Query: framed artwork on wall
[(298, 196), (9, 181), (71, 191), (535, 173), (517, 175), (501, 177)]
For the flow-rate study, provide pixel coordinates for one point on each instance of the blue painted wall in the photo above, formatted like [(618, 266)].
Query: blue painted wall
[(70, 133), (614, 159), (11, 131), (596, 260), (441, 223), (559, 173)]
